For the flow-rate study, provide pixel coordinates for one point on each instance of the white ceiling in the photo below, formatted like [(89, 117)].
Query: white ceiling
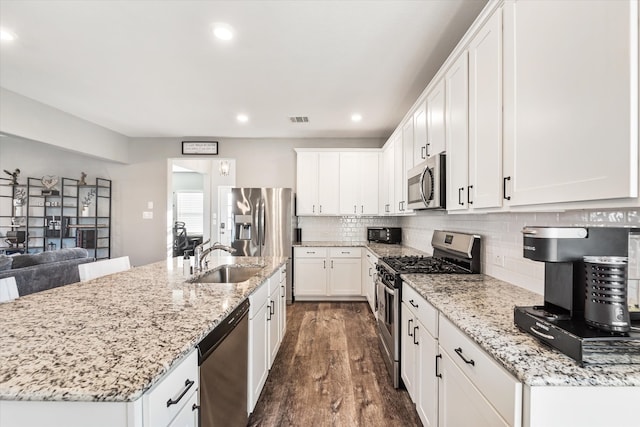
[(153, 68)]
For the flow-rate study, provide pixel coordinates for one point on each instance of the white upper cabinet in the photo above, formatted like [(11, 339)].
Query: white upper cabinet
[(457, 113), (571, 101), (387, 184), (485, 115), (318, 183), (359, 183), (435, 120), (399, 171), (307, 183), (420, 133)]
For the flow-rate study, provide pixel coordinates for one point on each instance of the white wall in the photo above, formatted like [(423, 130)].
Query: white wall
[(35, 159), (30, 119)]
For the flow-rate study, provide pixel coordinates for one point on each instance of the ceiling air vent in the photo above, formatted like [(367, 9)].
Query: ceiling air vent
[(299, 119)]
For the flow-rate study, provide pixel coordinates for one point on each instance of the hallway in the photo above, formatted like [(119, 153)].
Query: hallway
[(329, 372)]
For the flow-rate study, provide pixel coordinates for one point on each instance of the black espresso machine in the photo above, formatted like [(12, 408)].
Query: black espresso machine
[(585, 313)]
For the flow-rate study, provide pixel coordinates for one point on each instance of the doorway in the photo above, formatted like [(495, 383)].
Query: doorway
[(193, 201)]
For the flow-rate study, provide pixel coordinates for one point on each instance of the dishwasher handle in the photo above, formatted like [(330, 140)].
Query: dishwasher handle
[(221, 331)]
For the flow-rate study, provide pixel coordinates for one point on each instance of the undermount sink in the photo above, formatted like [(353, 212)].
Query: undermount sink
[(229, 274)]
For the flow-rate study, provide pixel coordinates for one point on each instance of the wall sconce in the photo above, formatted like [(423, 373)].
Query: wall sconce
[(224, 167)]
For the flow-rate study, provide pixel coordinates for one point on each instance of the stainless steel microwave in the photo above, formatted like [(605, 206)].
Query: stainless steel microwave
[(426, 184)]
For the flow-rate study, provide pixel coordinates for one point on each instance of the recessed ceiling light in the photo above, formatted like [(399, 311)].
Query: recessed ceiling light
[(242, 118), (356, 117), (7, 35), (223, 31)]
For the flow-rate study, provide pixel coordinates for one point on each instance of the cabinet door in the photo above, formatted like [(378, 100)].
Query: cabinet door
[(399, 193), (456, 389), (427, 382), (350, 179), (311, 276), (188, 415), (283, 304), (485, 115), (435, 120), (307, 184), (368, 180), (273, 320), (258, 355), (457, 119), (387, 183), (328, 180), (345, 276), (572, 94), (420, 134), (408, 350)]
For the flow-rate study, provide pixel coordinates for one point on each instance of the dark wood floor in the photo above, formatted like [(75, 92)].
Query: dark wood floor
[(329, 372)]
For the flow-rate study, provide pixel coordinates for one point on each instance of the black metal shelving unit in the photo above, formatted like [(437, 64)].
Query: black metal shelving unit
[(57, 220)]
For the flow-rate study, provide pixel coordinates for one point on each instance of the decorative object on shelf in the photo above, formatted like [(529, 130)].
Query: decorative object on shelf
[(49, 182), (19, 201), (86, 202), (200, 147), (224, 167), (14, 176), (82, 181)]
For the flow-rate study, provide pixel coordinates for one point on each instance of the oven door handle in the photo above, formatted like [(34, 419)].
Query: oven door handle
[(387, 290)]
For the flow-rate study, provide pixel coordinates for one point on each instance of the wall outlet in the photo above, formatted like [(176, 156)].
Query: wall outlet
[(147, 215), (498, 260)]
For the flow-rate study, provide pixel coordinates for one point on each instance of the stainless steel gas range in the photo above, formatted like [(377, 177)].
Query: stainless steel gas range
[(455, 253)]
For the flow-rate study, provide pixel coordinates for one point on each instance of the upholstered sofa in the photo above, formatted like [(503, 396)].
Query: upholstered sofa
[(46, 270)]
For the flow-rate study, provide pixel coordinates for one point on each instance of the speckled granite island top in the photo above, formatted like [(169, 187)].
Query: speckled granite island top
[(482, 307), (112, 338)]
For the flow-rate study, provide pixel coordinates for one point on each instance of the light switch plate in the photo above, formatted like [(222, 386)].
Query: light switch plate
[(149, 205), (147, 215)]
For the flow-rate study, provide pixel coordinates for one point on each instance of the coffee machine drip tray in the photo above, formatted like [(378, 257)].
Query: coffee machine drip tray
[(579, 341)]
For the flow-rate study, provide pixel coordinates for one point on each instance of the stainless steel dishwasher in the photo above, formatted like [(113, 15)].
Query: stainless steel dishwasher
[(222, 358)]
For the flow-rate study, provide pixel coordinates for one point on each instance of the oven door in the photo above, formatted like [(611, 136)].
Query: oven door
[(388, 318)]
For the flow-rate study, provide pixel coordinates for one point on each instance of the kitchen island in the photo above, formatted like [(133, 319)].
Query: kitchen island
[(112, 338)]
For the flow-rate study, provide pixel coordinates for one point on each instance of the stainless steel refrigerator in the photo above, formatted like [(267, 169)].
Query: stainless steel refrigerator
[(263, 220)]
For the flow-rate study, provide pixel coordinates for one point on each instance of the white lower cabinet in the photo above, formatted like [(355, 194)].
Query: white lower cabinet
[(162, 403), (468, 374), (419, 347), (460, 403), (273, 318), (188, 415), (327, 273), (450, 379), (258, 344), (266, 329), (369, 261)]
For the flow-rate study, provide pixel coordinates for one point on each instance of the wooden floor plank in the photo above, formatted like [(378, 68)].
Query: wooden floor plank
[(329, 372)]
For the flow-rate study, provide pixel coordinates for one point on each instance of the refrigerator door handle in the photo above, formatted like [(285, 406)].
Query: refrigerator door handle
[(262, 225)]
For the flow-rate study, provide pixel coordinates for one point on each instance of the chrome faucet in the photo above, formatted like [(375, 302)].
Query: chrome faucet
[(197, 255), (202, 254)]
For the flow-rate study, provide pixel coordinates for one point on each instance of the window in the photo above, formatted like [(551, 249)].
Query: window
[(190, 210)]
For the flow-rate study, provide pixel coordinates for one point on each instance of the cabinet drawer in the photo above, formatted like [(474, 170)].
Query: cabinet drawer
[(310, 252), (345, 252), (283, 273), (425, 312), (498, 386), (258, 298), (170, 388)]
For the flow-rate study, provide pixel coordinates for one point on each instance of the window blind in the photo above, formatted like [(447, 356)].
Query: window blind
[(190, 210)]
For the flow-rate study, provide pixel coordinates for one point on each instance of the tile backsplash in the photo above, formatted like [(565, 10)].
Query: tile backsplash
[(501, 236), (341, 228)]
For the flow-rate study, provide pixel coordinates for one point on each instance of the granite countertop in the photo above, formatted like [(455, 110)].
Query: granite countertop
[(482, 307), (112, 338), (380, 249)]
